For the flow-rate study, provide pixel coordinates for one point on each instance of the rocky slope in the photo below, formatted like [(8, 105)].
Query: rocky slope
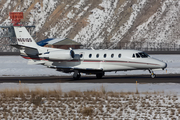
[(99, 23)]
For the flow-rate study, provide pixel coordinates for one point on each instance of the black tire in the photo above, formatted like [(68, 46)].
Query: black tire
[(99, 76), (77, 77), (153, 75)]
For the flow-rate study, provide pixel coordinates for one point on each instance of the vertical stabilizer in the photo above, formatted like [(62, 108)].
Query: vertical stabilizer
[(24, 38)]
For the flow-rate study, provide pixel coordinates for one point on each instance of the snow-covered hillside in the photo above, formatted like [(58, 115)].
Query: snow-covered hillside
[(96, 23)]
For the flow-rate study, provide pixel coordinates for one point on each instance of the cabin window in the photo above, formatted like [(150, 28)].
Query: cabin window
[(137, 55), (81, 55), (133, 56), (119, 55), (112, 55), (97, 55), (90, 55), (105, 55)]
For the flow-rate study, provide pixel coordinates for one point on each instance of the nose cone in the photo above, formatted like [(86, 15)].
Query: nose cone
[(163, 65), (159, 64)]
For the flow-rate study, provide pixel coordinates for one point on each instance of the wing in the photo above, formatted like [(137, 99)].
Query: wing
[(72, 69)]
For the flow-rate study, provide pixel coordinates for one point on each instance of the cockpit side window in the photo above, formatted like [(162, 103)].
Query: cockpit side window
[(137, 55), (143, 55)]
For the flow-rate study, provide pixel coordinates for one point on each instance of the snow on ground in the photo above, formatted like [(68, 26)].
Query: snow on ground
[(170, 88), (152, 101), (88, 105)]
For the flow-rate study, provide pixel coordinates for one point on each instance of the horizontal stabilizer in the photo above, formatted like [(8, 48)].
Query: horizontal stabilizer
[(35, 62), (21, 46)]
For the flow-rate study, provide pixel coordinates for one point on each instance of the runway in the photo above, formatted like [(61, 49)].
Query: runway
[(164, 78)]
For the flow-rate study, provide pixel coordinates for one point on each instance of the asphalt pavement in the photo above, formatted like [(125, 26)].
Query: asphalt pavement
[(164, 78)]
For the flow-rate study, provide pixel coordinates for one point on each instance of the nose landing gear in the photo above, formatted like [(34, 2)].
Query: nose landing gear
[(152, 74)]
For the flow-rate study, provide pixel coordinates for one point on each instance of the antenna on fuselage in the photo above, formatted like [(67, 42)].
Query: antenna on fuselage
[(92, 48)]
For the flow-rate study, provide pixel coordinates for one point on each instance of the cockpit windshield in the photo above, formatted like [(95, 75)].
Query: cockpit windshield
[(143, 55)]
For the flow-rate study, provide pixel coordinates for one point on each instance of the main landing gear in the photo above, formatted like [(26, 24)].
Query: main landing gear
[(76, 75), (152, 74), (99, 75)]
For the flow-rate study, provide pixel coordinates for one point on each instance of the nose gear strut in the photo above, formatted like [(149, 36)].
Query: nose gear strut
[(152, 73)]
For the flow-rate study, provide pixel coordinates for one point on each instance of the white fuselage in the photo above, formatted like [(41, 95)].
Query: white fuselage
[(85, 61), (108, 60)]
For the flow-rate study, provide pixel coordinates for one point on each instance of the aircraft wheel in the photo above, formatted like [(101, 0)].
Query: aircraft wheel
[(77, 77), (99, 76), (153, 75)]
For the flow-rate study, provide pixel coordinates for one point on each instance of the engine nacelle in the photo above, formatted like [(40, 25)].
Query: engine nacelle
[(58, 55)]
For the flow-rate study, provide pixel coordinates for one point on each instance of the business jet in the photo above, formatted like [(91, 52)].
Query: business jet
[(83, 60)]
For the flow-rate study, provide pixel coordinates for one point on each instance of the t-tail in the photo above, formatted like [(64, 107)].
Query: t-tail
[(26, 44), (24, 38), (37, 54)]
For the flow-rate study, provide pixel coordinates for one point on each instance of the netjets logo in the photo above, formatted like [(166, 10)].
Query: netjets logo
[(24, 40)]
